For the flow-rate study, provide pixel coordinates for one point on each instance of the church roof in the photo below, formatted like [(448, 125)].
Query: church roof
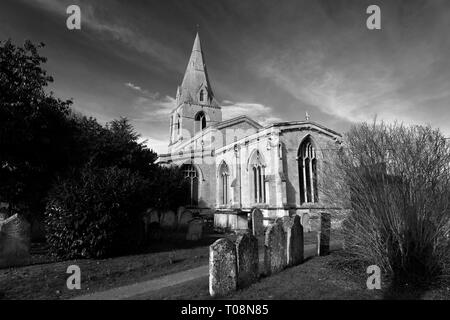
[(236, 120), (195, 78)]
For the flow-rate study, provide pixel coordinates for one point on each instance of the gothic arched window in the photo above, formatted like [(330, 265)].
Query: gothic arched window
[(201, 95), (178, 124), (200, 121), (257, 178), (307, 172), (223, 183), (191, 175)]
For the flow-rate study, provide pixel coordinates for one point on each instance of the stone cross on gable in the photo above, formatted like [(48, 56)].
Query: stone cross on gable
[(307, 116)]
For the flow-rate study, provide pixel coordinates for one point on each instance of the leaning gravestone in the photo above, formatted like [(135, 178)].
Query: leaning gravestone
[(168, 220), (324, 234), (257, 222), (247, 259), (14, 242), (184, 218), (195, 230), (222, 268), (275, 248), (294, 240)]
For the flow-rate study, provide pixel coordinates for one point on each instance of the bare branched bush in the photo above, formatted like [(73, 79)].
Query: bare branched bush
[(395, 181)]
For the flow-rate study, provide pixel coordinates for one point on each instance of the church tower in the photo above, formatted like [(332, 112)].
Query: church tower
[(196, 108)]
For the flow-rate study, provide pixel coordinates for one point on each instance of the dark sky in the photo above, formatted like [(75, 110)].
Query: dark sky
[(272, 60)]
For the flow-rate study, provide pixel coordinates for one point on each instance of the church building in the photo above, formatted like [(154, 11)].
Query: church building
[(235, 165)]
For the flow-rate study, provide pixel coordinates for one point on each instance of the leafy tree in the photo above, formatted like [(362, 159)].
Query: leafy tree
[(169, 189), (96, 180), (115, 144), (95, 212), (33, 127)]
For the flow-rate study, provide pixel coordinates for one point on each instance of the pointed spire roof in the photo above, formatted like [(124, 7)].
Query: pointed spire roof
[(195, 78)]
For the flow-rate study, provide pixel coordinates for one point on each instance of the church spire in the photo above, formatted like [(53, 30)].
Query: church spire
[(195, 87)]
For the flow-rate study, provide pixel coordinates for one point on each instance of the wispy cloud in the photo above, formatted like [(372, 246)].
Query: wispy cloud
[(150, 106), (157, 145), (145, 93), (154, 109), (358, 90), (113, 26), (259, 112)]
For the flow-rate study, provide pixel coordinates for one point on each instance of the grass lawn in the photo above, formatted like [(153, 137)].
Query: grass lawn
[(46, 279), (317, 278)]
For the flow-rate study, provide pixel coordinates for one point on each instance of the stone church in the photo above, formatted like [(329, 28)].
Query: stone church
[(234, 165)]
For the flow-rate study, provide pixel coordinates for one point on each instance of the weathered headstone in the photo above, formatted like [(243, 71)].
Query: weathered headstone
[(184, 218), (294, 240), (323, 245), (247, 259), (168, 220), (275, 258), (195, 230), (257, 222), (180, 210), (154, 216), (154, 231), (306, 223), (282, 219), (222, 268), (146, 220), (14, 242)]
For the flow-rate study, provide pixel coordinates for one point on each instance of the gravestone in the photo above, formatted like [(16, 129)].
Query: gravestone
[(146, 220), (294, 240), (257, 222), (247, 259), (184, 218), (180, 210), (306, 223), (275, 258), (323, 245), (168, 220), (222, 268), (282, 219), (14, 242), (154, 216), (195, 230), (154, 231)]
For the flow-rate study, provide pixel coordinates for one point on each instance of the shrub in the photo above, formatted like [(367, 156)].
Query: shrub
[(396, 181), (96, 213), (169, 189)]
